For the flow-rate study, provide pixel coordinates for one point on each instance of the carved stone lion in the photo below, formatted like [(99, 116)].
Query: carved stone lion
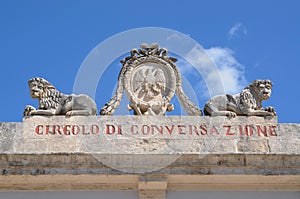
[(53, 102), (248, 102)]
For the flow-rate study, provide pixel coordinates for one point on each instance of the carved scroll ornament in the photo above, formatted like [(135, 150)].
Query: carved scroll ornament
[(150, 79)]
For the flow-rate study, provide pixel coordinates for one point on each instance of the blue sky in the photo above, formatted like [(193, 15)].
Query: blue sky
[(247, 40)]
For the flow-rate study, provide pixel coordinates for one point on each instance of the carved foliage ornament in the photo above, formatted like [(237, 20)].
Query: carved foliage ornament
[(150, 79)]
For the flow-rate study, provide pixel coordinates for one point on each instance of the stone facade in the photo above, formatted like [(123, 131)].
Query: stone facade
[(150, 154)]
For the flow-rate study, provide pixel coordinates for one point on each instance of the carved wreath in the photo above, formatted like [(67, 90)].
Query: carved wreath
[(150, 79)]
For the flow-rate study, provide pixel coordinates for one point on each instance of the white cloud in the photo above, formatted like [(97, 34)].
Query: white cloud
[(231, 71), (236, 30), (221, 72)]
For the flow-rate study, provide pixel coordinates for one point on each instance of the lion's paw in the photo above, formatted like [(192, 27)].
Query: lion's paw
[(270, 109), (28, 110), (231, 114), (69, 114)]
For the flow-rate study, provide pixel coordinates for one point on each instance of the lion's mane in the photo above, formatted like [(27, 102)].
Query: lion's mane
[(50, 96), (246, 96)]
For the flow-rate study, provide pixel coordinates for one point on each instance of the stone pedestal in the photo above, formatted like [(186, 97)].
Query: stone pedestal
[(152, 187)]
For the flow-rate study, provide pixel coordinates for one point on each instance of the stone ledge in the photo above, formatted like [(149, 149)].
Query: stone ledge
[(232, 164), (130, 182)]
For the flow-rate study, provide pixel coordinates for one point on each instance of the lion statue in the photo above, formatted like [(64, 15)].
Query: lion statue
[(53, 102), (248, 102)]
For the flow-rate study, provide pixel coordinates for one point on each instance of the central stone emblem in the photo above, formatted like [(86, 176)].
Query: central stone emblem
[(150, 86), (150, 79)]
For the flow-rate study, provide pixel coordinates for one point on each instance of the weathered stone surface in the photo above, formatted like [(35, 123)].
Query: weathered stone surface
[(247, 145), (151, 135), (159, 146), (7, 136)]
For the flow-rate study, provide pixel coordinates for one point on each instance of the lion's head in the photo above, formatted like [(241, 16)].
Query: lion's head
[(263, 88), (47, 94)]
